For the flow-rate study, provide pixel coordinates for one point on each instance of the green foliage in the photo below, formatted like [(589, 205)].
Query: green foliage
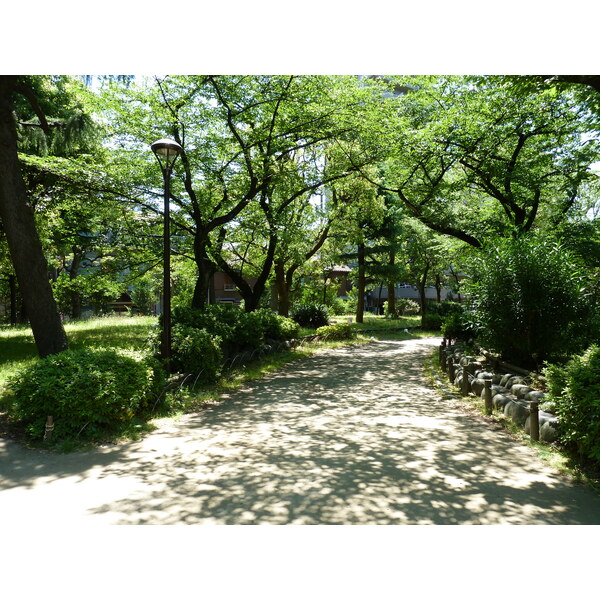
[(87, 392), (237, 327), (217, 319), (338, 306), (311, 315), (529, 300), (575, 389), (276, 327), (232, 330), (404, 306), (432, 321), (196, 351), (446, 308), (143, 295), (340, 331), (457, 326)]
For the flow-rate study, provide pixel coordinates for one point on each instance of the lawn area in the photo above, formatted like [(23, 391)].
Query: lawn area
[(17, 347), (378, 322)]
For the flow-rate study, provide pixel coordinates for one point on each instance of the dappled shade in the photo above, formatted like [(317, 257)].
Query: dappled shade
[(350, 436)]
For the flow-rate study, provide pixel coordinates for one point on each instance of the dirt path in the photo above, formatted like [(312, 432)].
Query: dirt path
[(348, 436)]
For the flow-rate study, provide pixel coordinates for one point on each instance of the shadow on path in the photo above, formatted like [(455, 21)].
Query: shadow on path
[(349, 436)]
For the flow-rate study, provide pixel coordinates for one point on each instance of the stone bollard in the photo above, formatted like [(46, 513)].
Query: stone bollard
[(487, 395), (465, 381), (451, 370), (534, 421), (49, 429)]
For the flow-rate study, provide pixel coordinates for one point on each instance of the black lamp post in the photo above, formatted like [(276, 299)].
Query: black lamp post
[(166, 151)]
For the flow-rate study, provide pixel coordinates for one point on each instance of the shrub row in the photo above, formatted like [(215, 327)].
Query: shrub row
[(403, 306), (202, 339), (85, 391), (575, 390)]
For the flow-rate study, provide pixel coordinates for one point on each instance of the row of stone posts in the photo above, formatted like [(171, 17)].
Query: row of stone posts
[(451, 364)]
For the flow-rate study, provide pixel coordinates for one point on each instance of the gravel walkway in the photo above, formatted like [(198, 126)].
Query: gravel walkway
[(349, 436)]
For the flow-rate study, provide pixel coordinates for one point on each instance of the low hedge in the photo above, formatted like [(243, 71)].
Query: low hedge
[(203, 338), (311, 315), (85, 391)]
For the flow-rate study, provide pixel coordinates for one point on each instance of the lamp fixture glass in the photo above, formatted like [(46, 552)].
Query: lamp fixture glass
[(166, 151)]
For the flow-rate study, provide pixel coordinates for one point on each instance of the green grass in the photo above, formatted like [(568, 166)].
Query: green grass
[(378, 322), (17, 346)]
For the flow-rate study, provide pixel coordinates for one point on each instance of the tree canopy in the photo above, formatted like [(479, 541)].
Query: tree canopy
[(389, 172)]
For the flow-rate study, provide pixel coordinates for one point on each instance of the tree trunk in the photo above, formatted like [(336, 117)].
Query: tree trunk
[(283, 290), (421, 287), (202, 291), (438, 288), (252, 294), (360, 304), (23, 242), (379, 311), (391, 292)]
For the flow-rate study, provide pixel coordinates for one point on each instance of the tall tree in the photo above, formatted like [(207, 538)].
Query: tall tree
[(250, 142), (19, 224), (473, 157)]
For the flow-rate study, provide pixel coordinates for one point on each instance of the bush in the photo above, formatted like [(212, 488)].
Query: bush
[(404, 306), (276, 327), (528, 300), (457, 326), (338, 306), (236, 329), (193, 351), (434, 322), (446, 308), (85, 391), (341, 331), (218, 319), (249, 330), (311, 315), (575, 390)]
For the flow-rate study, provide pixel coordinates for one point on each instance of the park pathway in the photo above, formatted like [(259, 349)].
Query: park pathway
[(348, 436)]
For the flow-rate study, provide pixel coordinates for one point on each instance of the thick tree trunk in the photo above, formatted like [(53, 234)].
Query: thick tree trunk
[(360, 304), (379, 309), (203, 294), (23, 242), (421, 287), (422, 300), (391, 298)]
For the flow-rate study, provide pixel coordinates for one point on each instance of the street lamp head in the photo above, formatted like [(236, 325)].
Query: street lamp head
[(166, 151)]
